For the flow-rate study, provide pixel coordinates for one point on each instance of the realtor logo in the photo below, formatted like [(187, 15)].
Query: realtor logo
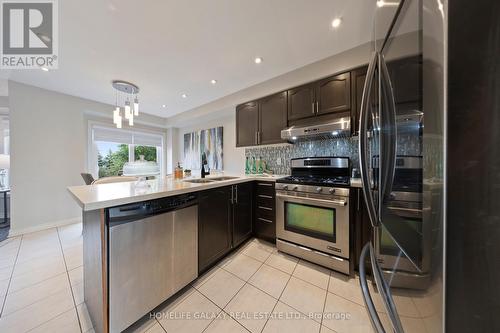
[(29, 34)]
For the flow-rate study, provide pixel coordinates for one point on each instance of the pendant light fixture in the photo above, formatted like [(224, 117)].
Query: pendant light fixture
[(136, 106), (124, 92)]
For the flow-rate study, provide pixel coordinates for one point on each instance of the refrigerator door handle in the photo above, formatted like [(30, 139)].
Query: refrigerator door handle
[(363, 140), (390, 130), (372, 312), (384, 291)]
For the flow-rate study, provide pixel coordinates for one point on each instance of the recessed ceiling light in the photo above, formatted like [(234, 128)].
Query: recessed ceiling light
[(184, 96), (380, 3), (258, 60), (336, 22), (45, 69), (163, 105), (213, 81)]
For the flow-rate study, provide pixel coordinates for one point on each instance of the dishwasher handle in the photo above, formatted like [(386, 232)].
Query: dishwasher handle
[(136, 211)]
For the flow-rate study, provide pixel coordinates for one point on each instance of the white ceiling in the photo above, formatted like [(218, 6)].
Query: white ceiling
[(172, 47)]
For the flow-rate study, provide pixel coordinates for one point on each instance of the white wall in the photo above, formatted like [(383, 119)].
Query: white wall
[(48, 152), (222, 111), (233, 158)]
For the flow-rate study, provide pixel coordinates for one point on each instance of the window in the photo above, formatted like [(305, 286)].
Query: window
[(111, 157), (111, 148)]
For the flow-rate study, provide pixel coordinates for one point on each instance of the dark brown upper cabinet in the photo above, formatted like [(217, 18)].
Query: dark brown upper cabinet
[(333, 94), (260, 122), (301, 102), (325, 96), (247, 124), (272, 118), (358, 77)]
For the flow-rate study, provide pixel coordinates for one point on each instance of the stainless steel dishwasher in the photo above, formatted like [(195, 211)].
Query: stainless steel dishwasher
[(153, 253)]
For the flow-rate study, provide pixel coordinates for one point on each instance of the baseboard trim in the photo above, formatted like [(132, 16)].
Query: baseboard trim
[(17, 232)]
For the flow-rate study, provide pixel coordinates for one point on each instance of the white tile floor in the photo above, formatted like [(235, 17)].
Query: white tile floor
[(255, 289)]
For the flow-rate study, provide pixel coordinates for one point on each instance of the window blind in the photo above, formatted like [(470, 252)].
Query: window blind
[(111, 135), (105, 134), (144, 139)]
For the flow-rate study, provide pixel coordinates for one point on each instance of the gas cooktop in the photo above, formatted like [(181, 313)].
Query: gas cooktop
[(319, 171), (316, 180)]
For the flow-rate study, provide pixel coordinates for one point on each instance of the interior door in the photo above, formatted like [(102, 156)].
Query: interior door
[(301, 102)]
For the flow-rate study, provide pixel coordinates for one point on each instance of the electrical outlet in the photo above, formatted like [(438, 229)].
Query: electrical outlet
[(278, 161)]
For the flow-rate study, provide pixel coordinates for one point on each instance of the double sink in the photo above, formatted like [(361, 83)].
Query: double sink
[(209, 180)]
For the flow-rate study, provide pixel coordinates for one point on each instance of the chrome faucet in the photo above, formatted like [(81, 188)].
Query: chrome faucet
[(205, 170)]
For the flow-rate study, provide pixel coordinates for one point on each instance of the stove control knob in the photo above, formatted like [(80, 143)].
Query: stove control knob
[(319, 189), (295, 188), (285, 187), (331, 191)]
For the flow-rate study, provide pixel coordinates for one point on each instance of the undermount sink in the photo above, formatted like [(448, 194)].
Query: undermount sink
[(209, 180), (223, 178), (199, 181)]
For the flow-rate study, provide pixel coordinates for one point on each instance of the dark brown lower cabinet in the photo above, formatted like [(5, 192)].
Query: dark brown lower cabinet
[(214, 225), (242, 212), (265, 211), (225, 216)]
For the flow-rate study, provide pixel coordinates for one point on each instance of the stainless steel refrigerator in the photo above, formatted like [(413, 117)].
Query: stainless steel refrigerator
[(402, 163)]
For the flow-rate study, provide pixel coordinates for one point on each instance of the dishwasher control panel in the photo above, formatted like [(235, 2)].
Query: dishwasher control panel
[(139, 210)]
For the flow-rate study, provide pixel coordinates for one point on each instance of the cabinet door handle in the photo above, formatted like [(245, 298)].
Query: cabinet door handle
[(265, 196), (232, 196), (312, 107), (359, 198), (256, 139), (265, 220), (236, 195), (266, 208), (317, 107), (265, 184)]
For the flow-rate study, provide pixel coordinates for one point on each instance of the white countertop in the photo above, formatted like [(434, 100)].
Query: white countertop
[(92, 197)]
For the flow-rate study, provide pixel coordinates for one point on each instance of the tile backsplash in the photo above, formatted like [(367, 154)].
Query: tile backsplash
[(278, 156)]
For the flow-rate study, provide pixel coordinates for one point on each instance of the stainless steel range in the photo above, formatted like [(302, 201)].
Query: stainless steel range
[(312, 211)]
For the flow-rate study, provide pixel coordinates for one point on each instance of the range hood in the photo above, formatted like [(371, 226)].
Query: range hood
[(334, 128)]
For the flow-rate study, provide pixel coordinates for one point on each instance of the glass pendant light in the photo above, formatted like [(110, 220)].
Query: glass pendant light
[(125, 91), (119, 122), (136, 106), (127, 110), (116, 115)]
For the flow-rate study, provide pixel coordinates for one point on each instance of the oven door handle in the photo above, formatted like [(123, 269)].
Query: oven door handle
[(342, 203)]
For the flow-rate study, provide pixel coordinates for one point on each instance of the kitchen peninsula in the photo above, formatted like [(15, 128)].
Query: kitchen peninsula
[(142, 244)]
